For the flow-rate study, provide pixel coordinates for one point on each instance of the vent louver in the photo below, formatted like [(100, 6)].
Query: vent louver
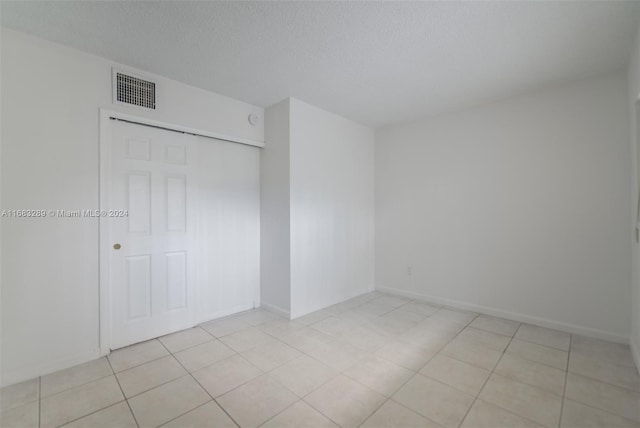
[(135, 91)]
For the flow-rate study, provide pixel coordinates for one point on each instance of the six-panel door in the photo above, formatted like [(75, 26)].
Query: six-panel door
[(153, 179)]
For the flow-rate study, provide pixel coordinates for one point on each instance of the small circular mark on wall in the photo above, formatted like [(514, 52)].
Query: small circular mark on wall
[(254, 119)]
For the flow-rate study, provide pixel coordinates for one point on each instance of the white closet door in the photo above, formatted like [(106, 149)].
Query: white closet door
[(152, 271), (228, 242)]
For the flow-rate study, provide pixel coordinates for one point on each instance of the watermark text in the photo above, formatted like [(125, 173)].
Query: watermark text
[(58, 213)]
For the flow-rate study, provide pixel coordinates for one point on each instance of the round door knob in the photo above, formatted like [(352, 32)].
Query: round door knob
[(116, 246)]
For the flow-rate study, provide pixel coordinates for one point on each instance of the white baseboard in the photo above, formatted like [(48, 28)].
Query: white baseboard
[(275, 309), (26, 373), (514, 316), (635, 350)]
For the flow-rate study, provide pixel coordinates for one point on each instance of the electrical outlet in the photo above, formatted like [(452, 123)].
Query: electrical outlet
[(409, 270)]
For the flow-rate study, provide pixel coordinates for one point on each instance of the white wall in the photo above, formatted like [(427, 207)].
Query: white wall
[(332, 208), (519, 208), (50, 101), (317, 208), (634, 113), (228, 228), (275, 231)]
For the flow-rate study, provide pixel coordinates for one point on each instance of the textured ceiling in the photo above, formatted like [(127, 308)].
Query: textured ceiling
[(375, 62)]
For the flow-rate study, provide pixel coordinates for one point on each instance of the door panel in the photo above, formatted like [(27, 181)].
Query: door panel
[(138, 286), (176, 202), (139, 192), (176, 280), (193, 227), (228, 258), (154, 177)]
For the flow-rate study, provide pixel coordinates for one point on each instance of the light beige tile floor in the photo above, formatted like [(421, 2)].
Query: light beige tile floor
[(374, 361)]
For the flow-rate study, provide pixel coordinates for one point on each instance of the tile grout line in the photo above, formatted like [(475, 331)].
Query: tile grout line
[(69, 389), (80, 384), (520, 357), (203, 388), (339, 372), (318, 410), (540, 344), (163, 356), (39, 401), (90, 413), (538, 362), (213, 339), (137, 365), (188, 411), (93, 413), (262, 373), (509, 377), (566, 370), (593, 379), (282, 411), (566, 379), (124, 399), (300, 399), (236, 353), (156, 386), (123, 394), (492, 372), (475, 398), (435, 355), (417, 372), (381, 404), (214, 363), (603, 411)]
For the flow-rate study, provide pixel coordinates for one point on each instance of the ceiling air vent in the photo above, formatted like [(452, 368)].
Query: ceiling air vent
[(134, 91)]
